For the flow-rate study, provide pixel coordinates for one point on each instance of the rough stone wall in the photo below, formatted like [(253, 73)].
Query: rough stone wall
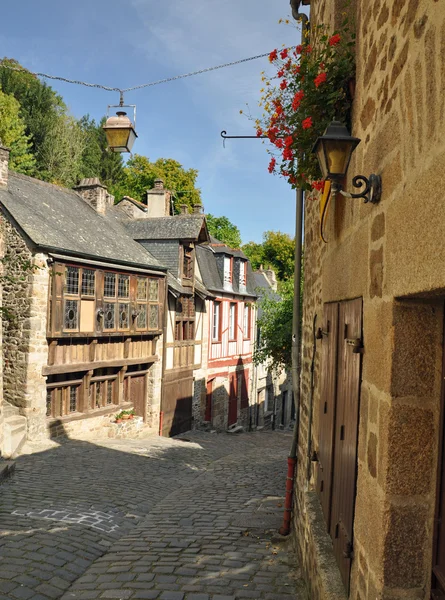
[(2, 254), (25, 349), (392, 255), (154, 388)]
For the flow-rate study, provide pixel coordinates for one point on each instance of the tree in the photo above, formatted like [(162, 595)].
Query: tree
[(277, 252), (275, 326), (13, 136), (140, 174), (224, 230)]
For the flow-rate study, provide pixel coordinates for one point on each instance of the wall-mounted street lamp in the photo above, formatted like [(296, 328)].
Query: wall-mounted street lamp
[(119, 130), (334, 150)]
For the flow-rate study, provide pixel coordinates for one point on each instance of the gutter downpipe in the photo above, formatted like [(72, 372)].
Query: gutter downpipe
[(296, 341)]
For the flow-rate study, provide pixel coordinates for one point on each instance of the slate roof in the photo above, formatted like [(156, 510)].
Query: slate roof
[(211, 276), (180, 227), (58, 219), (223, 248), (263, 289)]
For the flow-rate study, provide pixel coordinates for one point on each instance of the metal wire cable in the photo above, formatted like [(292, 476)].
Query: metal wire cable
[(135, 87)]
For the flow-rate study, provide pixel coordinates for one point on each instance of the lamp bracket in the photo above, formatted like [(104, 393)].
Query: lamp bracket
[(371, 193)]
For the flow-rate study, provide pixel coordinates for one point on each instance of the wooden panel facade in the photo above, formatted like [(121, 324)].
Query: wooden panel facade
[(177, 393)]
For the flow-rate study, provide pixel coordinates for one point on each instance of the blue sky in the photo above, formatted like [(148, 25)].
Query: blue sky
[(125, 44)]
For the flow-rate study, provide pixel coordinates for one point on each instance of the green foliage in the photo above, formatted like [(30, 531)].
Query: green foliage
[(140, 174), (277, 252), (275, 325), (224, 230), (13, 136)]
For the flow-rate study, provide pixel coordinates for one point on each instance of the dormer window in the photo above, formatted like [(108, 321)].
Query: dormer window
[(228, 271), (242, 275), (187, 269)]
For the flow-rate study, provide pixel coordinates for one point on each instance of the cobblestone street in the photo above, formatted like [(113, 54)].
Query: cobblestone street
[(152, 518)]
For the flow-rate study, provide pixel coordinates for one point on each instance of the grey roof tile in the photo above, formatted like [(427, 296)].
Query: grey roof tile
[(180, 227)]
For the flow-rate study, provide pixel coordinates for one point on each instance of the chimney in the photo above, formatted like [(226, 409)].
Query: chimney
[(158, 201), (4, 162), (270, 274), (197, 209), (184, 209), (93, 192)]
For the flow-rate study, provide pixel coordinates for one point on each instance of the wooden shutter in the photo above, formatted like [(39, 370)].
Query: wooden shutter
[(346, 434), (327, 407), (245, 388)]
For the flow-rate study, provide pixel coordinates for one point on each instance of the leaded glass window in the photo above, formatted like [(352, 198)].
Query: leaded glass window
[(109, 316), (124, 316), (72, 280), (71, 315), (124, 286), (153, 290), (73, 398), (88, 280), (141, 322), (154, 317), (142, 288), (110, 285)]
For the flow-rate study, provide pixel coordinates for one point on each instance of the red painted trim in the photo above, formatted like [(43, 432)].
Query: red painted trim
[(215, 375), (229, 362)]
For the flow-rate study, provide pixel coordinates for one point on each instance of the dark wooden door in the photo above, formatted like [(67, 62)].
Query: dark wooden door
[(177, 394), (438, 578), (346, 434), (208, 412), (327, 407), (233, 399), (137, 393)]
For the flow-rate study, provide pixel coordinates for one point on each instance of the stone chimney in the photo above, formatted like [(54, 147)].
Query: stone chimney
[(158, 201), (270, 274), (4, 163), (184, 209), (197, 209), (93, 192)]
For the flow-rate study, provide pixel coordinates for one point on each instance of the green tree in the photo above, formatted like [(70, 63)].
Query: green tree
[(13, 136), (275, 326), (276, 252), (140, 174), (224, 230)]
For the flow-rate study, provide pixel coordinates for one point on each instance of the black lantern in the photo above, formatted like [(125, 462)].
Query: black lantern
[(334, 150)]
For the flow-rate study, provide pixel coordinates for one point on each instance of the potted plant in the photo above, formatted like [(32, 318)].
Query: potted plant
[(126, 415), (118, 417)]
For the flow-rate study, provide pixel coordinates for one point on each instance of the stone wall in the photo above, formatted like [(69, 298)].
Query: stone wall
[(392, 255), (25, 349)]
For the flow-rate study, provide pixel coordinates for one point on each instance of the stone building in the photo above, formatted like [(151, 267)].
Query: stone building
[(83, 308), (370, 492)]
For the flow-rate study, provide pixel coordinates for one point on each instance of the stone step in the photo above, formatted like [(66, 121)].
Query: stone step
[(14, 435), (10, 411)]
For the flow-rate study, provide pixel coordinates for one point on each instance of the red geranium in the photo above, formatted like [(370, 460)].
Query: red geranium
[(288, 154), (283, 84), (335, 39), (272, 164), (288, 141), (307, 123), (284, 53), (280, 73), (318, 185), (259, 132), (298, 49), (321, 78), (278, 142), (297, 100), (273, 55)]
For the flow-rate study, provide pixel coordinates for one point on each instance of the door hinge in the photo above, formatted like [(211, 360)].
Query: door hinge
[(357, 345)]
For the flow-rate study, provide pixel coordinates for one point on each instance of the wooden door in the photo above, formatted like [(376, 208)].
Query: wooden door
[(438, 578), (233, 399), (208, 412), (346, 434), (137, 394), (327, 407), (177, 395)]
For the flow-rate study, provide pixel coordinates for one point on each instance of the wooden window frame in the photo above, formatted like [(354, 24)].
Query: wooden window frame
[(219, 304), (247, 335), (188, 262), (185, 320), (233, 335)]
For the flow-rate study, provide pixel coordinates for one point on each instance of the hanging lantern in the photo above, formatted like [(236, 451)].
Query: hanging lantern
[(119, 130)]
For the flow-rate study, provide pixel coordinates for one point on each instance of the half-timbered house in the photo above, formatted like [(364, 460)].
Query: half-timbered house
[(83, 308)]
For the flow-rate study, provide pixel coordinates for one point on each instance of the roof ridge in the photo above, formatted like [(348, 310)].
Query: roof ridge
[(43, 183)]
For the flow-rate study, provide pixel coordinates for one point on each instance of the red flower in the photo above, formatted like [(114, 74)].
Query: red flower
[(297, 100), (322, 66), (307, 123), (273, 55), (259, 132), (280, 73), (321, 78), (288, 64), (308, 49), (283, 84), (284, 53), (272, 164), (318, 185), (279, 109), (292, 180), (288, 141), (296, 69), (335, 39), (299, 49), (288, 154), (278, 142)]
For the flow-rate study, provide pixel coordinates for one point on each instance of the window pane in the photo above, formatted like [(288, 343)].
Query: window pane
[(72, 280), (142, 288), (124, 316), (215, 324), (153, 290), (73, 397), (141, 322), (154, 317), (232, 323), (124, 286), (110, 285), (88, 278), (109, 316), (71, 316)]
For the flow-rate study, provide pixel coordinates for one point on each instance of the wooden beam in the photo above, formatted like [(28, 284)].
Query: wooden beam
[(102, 364)]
